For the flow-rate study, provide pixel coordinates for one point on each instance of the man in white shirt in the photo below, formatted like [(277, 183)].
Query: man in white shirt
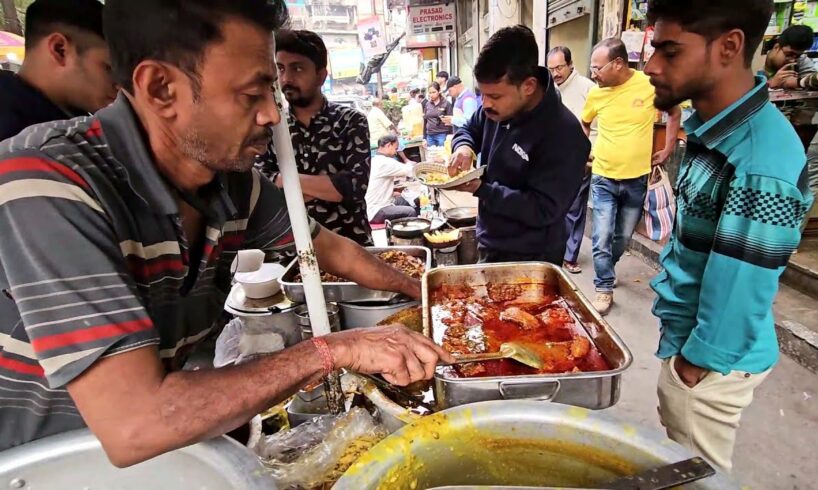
[(379, 124), (574, 89), (381, 205)]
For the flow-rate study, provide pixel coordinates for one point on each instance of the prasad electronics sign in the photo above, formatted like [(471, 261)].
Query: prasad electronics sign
[(431, 19)]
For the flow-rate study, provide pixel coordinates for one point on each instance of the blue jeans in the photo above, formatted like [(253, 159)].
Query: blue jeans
[(436, 139), (617, 210)]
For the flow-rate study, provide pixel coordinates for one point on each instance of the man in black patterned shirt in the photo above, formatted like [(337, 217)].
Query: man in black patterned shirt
[(331, 142)]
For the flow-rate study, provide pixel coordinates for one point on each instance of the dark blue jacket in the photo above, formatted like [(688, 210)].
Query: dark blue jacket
[(536, 162), (22, 105)]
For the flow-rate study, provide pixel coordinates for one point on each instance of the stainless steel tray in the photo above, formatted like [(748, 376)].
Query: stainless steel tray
[(348, 292), (594, 390)]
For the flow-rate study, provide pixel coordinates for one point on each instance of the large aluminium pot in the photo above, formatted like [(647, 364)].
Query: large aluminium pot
[(75, 460), (516, 443), (355, 315)]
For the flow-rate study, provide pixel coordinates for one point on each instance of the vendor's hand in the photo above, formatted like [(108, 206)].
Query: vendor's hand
[(308, 198), (784, 77), (399, 354), (447, 120), (279, 181), (690, 374), (461, 160), (413, 290), (470, 186), (660, 157)]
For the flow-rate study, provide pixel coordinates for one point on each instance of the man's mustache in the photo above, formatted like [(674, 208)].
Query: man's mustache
[(264, 137), (291, 88)]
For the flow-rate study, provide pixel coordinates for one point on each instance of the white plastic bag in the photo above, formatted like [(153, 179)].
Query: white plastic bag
[(237, 343), (319, 451)]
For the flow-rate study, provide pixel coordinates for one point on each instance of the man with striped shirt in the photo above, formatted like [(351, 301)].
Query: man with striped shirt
[(119, 230)]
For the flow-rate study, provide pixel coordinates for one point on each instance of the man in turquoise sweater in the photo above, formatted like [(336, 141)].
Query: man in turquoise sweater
[(742, 196)]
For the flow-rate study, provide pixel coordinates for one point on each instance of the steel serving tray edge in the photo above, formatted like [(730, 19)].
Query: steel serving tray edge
[(348, 292), (594, 390)]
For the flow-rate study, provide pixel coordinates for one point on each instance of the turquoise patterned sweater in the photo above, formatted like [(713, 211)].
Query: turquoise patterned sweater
[(742, 196)]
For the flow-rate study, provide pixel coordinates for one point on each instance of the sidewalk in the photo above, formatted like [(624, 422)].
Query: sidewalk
[(777, 445)]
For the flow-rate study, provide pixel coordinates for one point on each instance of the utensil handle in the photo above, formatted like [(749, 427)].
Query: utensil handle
[(668, 476), (529, 390), (465, 358)]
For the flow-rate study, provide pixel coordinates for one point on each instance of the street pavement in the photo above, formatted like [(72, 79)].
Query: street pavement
[(777, 445)]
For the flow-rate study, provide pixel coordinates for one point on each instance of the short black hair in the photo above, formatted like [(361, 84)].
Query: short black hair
[(442, 74), (44, 17), (616, 48), (305, 43), (566, 53), (796, 37), (710, 18), (414, 92), (387, 139), (435, 86), (176, 31), (510, 52)]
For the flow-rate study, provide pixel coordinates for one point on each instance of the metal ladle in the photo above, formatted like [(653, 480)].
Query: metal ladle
[(661, 478)]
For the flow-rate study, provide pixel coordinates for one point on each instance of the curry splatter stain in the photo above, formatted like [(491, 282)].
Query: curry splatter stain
[(578, 413)]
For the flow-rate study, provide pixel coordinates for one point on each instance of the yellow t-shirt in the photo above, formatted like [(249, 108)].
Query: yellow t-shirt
[(625, 117)]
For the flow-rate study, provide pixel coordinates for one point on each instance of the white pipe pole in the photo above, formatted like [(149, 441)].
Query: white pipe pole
[(310, 273)]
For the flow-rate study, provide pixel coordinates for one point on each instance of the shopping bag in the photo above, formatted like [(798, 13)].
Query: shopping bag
[(660, 206)]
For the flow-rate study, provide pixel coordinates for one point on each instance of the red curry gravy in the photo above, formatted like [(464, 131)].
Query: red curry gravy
[(476, 320)]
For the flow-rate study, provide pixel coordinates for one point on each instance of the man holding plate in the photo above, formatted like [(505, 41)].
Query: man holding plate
[(534, 150)]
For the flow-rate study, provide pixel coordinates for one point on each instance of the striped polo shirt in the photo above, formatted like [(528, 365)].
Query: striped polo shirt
[(742, 196), (94, 261)]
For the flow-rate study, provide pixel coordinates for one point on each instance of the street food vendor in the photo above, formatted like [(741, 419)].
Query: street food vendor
[(786, 65), (119, 230), (742, 197), (533, 146)]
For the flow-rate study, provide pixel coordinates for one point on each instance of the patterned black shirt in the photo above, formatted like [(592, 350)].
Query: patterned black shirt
[(336, 144)]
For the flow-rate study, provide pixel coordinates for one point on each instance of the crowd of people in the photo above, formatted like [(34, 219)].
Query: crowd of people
[(152, 195)]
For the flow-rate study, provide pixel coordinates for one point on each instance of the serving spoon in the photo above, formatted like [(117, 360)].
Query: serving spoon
[(508, 350)]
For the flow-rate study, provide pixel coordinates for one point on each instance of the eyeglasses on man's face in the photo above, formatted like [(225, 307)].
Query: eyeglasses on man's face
[(597, 71), (557, 68)]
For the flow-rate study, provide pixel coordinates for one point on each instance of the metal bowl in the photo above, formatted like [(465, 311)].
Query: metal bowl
[(462, 216), (520, 443), (409, 227), (75, 460), (355, 315)]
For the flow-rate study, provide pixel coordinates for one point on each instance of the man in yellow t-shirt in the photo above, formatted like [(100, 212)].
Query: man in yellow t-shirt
[(623, 107)]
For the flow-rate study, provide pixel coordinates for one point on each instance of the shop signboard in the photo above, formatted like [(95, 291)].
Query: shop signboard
[(345, 62), (432, 19), (371, 36), (634, 42)]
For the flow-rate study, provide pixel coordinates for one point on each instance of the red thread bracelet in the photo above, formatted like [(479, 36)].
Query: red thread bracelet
[(327, 361)]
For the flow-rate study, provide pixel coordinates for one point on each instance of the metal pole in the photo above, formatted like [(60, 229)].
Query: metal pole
[(311, 277), (380, 84), (383, 26)]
